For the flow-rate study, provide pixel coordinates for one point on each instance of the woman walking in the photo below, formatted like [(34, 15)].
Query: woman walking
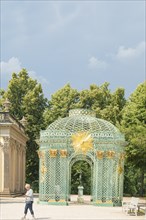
[(28, 201)]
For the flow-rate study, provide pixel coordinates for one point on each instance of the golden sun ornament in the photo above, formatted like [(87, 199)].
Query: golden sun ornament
[(82, 142)]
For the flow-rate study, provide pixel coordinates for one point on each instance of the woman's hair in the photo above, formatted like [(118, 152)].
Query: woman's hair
[(27, 185)]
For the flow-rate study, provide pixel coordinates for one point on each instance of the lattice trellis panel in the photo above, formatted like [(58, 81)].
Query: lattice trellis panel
[(53, 170)]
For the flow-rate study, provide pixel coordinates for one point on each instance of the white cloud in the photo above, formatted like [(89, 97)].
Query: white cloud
[(95, 63), (13, 65), (129, 53)]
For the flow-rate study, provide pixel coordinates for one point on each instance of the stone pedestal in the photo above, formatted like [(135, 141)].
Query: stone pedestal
[(80, 194)]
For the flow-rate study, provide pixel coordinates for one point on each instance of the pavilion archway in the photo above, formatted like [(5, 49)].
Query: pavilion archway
[(82, 161)]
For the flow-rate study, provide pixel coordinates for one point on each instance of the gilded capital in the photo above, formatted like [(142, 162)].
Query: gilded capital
[(53, 152), (110, 154), (100, 154), (63, 153)]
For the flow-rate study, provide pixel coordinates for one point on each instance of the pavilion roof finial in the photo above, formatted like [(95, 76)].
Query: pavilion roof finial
[(6, 105)]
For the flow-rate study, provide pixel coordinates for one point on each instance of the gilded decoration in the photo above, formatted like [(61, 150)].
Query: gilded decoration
[(120, 169), (41, 154), (100, 154), (98, 201), (108, 202), (63, 153), (43, 170), (62, 200), (122, 156), (82, 142), (53, 152), (110, 154), (53, 200)]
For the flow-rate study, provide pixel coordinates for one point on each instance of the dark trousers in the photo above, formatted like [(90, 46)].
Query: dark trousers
[(28, 205)]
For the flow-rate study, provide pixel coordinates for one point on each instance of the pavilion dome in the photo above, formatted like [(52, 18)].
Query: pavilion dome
[(82, 120)]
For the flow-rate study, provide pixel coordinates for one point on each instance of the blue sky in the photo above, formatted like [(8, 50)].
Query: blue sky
[(76, 42)]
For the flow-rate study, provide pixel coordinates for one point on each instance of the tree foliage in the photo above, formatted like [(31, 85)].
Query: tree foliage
[(27, 99), (60, 104), (134, 128), (106, 105)]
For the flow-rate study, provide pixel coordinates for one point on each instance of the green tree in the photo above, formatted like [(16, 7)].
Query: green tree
[(105, 104), (96, 98), (60, 104), (113, 110), (134, 127), (2, 91), (27, 99), (132, 179)]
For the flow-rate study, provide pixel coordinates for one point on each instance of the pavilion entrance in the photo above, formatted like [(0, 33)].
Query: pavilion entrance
[(81, 174)]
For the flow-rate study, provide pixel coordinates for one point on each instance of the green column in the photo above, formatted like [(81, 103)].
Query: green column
[(42, 176), (52, 174), (116, 182), (109, 182), (98, 177), (63, 175)]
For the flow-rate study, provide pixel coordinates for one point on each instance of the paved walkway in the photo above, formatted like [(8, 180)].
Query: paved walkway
[(12, 209)]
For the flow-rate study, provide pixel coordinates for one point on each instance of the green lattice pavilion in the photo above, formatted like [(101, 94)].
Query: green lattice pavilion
[(60, 149)]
